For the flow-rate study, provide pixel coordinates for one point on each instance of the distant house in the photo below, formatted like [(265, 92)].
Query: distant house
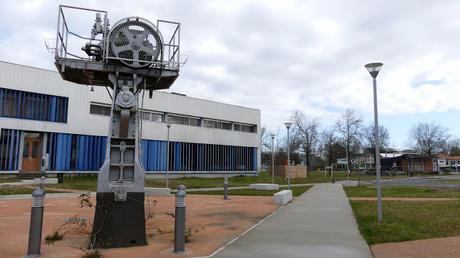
[(445, 160), (409, 161), (364, 161)]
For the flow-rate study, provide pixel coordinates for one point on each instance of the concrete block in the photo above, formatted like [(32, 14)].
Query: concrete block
[(47, 181), (282, 197), (151, 191), (264, 186)]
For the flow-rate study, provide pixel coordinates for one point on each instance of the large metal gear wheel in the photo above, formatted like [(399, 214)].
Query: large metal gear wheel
[(135, 40)]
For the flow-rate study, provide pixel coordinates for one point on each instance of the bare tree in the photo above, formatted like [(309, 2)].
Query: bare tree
[(307, 130), (326, 147), (349, 128), (265, 141), (454, 147), (429, 138), (369, 138)]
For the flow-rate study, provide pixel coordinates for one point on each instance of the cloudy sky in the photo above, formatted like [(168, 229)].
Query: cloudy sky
[(281, 56)]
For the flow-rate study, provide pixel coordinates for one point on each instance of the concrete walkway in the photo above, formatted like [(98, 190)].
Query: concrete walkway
[(319, 223)]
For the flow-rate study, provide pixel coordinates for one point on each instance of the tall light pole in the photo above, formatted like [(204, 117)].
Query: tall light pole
[(273, 157), (288, 126), (373, 69), (167, 157)]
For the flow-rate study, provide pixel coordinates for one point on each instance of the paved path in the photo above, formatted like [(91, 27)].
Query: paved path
[(319, 223)]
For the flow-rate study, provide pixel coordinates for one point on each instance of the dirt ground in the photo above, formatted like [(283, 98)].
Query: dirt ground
[(447, 247), (214, 222)]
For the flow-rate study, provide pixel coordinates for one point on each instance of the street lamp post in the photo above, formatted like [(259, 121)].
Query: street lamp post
[(273, 157), (288, 126), (373, 69), (167, 157)]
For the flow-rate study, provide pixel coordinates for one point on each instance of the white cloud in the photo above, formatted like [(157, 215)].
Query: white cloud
[(281, 56)]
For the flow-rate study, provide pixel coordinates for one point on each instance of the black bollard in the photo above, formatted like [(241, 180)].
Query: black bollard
[(36, 223), (60, 177), (225, 188), (179, 224)]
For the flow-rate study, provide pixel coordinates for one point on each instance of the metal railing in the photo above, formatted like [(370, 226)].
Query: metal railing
[(66, 42)]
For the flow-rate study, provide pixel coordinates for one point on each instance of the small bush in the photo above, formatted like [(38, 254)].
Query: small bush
[(53, 237), (93, 253)]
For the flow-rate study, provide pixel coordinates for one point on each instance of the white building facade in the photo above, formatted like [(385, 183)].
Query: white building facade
[(50, 124)]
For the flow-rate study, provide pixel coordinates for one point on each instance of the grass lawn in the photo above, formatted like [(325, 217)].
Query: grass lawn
[(9, 190), (401, 191), (404, 221), (264, 177), (447, 181), (88, 183), (296, 191), (8, 180), (84, 183)]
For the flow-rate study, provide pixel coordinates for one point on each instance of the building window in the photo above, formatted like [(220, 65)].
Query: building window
[(98, 109), (245, 128), (149, 116), (173, 119), (226, 126), (33, 106), (211, 124), (185, 156), (195, 121), (146, 116), (155, 117)]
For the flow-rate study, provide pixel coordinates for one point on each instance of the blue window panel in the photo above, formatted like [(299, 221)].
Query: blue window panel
[(254, 159), (65, 110), (162, 156), (151, 157), (28, 105), (91, 153), (157, 155), (2, 95), (59, 152), (78, 158), (18, 103), (177, 157), (97, 153), (53, 109), (10, 151), (68, 146), (17, 156), (103, 150), (144, 153)]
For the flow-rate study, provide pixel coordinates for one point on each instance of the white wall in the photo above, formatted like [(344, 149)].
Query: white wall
[(81, 122)]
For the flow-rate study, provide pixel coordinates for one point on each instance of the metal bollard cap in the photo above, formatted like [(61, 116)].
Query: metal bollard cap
[(39, 192), (226, 181), (181, 187), (180, 194)]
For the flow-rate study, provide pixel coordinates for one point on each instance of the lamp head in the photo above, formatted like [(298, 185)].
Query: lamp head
[(374, 69), (288, 125)]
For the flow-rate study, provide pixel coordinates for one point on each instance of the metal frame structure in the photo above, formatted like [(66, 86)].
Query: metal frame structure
[(170, 53), (159, 74), (119, 219)]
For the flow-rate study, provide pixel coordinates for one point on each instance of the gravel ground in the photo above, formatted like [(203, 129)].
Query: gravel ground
[(214, 222), (448, 247)]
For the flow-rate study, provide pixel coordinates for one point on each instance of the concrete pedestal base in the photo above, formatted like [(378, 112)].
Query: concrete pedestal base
[(119, 224), (151, 191), (264, 186), (282, 197)]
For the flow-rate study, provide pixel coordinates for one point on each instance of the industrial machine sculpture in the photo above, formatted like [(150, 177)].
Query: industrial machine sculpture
[(129, 58)]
